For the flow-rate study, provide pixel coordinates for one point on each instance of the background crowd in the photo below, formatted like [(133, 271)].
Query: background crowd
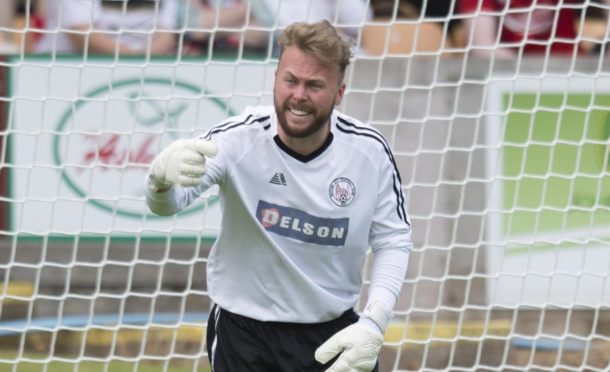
[(487, 28)]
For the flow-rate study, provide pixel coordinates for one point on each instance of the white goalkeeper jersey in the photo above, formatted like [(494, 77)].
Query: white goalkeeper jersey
[(296, 229)]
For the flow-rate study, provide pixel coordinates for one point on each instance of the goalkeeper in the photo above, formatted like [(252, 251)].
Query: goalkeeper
[(304, 190)]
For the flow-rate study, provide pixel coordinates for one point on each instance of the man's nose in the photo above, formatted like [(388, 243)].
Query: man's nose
[(299, 92)]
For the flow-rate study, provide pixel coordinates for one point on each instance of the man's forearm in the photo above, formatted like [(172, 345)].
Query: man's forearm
[(387, 276)]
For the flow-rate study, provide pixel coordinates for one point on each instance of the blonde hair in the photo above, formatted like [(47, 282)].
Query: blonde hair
[(320, 39)]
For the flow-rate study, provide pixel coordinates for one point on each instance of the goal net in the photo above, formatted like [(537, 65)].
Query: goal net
[(502, 144)]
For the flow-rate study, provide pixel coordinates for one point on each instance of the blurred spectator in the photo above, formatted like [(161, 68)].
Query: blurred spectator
[(534, 26), (110, 26), (593, 27), (348, 16), (224, 24), (257, 23), (410, 26), (19, 19), (7, 12), (440, 11), (28, 23)]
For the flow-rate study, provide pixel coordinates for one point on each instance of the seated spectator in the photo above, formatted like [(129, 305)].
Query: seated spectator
[(592, 27), (549, 26), (407, 27), (225, 24), (129, 27), (28, 23), (440, 11), (20, 20), (348, 16), (257, 23)]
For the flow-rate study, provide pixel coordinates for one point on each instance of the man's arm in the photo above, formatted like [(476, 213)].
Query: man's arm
[(96, 42), (182, 163), (101, 43), (390, 240), (163, 42), (81, 16), (359, 344), (232, 16)]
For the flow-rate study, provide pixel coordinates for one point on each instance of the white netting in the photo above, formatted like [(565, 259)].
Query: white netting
[(502, 146)]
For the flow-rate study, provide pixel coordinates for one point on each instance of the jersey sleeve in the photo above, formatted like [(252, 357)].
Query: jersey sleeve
[(172, 201), (177, 198), (216, 166), (391, 228), (390, 236)]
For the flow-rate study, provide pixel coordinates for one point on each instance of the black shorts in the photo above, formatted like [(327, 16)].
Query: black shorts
[(239, 344)]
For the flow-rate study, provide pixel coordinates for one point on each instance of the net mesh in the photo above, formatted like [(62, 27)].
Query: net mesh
[(502, 144)]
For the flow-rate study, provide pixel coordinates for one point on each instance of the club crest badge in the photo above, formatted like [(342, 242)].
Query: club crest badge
[(342, 191)]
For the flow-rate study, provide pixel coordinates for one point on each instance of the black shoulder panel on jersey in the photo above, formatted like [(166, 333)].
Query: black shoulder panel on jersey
[(249, 120), (351, 128)]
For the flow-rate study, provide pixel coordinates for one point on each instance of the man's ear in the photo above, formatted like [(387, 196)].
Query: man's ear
[(339, 96)]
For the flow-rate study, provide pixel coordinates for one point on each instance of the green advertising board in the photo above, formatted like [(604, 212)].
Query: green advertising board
[(81, 137), (555, 161), (548, 206)]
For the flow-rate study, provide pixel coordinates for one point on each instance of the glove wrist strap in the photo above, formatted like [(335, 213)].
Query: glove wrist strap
[(378, 313), (157, 185)]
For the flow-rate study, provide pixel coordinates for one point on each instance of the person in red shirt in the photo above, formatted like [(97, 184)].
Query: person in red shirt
[(535, 26)]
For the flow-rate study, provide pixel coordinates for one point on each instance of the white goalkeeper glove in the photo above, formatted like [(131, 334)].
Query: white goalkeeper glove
[(181, 163), (359, 344)]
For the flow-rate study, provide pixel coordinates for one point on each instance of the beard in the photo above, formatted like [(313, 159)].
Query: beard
[(302, 130)]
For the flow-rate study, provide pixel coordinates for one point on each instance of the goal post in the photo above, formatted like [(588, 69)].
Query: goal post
[(504, 165)]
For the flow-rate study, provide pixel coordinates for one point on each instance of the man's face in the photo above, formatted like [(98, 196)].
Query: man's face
[(305, 93)]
